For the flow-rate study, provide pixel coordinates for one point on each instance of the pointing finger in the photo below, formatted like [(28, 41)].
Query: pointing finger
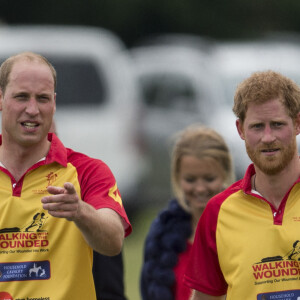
[(69, 188)]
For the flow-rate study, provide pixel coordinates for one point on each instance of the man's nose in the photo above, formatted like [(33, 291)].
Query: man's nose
[(32, 106), (268, 135)]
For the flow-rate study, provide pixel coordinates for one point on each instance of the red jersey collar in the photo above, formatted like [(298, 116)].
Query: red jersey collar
[(57, 152), (246, 181)]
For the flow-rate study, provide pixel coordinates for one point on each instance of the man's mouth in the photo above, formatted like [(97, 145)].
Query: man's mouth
[(270, 150), (29, 124)]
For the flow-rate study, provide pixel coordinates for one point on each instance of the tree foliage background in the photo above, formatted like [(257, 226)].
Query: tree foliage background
[(133, 20)]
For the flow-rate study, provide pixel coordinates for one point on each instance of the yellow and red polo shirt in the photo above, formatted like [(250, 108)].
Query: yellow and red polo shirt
[(47, 258), (246, 248)]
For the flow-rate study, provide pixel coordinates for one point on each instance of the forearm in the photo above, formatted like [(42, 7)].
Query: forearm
[(102, 229), (196, 295)]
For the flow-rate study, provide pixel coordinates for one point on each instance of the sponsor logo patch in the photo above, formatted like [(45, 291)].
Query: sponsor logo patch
[(283, 295), (22, 271)]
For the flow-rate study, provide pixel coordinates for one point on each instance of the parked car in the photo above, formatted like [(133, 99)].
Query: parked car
[(179, 87), (97, 95), (237, 60)]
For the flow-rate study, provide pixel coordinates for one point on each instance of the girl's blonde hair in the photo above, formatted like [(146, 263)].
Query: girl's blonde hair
[(201, 142)]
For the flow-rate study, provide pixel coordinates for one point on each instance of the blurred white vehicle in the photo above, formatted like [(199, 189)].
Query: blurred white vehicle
[(235, 61), (180, 87), (97, 96)]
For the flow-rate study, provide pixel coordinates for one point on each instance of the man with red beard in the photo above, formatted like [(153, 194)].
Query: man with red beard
[(258, 216)]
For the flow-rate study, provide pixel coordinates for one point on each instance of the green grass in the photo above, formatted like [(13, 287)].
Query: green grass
[(133, 251)]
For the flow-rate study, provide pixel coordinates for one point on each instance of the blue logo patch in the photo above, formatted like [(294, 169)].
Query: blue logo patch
[(38, 270), (284, 295)]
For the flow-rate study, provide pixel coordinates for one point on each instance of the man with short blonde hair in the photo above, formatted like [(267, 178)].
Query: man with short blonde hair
[(57, 205)]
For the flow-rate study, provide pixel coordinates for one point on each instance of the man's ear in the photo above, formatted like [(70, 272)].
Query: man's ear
[(297, 124), (1, 99), (54, 102), (239, 127)]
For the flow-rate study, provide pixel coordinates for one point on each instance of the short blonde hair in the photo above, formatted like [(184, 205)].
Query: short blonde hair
[(201, 142), (6, 66)]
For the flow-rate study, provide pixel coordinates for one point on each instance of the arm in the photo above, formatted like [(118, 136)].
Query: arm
[(109, 277), (196, 295), (102, 229)]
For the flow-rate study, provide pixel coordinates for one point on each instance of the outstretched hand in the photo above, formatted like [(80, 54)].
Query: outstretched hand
[(63, 203)]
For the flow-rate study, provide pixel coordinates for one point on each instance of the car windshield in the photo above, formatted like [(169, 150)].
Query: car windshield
[(78, 82), (169, 91)]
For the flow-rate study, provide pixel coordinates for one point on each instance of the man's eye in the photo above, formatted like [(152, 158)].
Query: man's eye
[(257, 126), (20, 97), (44, 98)]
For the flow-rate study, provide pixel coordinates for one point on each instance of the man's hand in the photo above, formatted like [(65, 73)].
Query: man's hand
[(64, 202), (102, 229)]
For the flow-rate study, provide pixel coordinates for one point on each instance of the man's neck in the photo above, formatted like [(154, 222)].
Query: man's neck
[(274, 187), (17, 160)]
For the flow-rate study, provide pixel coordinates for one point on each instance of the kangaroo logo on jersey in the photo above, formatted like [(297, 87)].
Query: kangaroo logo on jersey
[(51, 178)]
